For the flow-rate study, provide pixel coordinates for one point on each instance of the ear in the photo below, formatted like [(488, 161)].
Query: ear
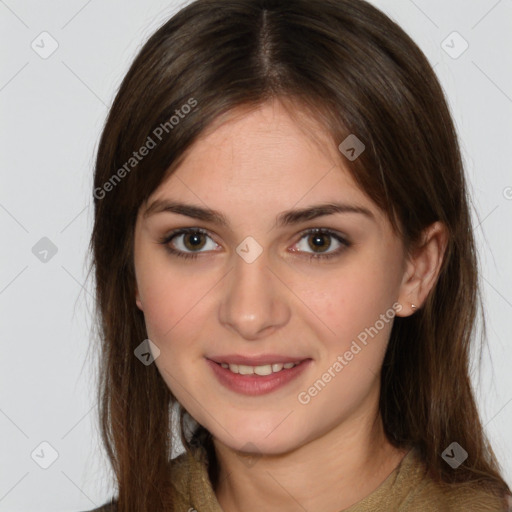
[(137, 298), (422, 268)]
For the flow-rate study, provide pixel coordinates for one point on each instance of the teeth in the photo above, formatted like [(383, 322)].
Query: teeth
[(245, 370), (265, 369)]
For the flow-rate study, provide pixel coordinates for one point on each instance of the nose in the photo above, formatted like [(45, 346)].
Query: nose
[(254, 301)]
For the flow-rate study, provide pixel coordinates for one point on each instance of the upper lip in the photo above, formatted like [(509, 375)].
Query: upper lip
[(256, 360)]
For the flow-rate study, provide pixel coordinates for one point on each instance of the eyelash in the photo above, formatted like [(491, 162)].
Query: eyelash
[(322, 231)]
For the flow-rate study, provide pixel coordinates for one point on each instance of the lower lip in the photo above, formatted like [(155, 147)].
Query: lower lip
[(255, 385)]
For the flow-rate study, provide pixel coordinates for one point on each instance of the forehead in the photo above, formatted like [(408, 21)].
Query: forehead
[(263, 159)]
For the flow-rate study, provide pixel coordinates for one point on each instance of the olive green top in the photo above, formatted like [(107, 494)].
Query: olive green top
[(407, 489)]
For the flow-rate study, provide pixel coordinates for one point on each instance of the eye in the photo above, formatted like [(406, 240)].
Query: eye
[(320, 240), (187, 239), (188, 242)]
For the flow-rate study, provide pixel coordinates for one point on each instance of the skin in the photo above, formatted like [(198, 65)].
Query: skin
[(251, 168)]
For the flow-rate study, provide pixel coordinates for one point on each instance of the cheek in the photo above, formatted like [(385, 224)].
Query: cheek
[(159, 296), (353, 312), (165, 293), (173, 314), (175, 308), (353, 297)]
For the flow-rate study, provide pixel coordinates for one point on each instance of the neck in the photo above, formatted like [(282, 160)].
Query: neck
[(331, 472)]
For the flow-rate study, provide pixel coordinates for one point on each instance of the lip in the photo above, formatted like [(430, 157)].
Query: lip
[(255, 385), (255, 360)]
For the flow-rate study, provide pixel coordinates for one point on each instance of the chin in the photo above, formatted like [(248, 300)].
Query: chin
[(255, 440)]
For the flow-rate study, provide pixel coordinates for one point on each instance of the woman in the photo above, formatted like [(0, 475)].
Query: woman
[(283, 254)]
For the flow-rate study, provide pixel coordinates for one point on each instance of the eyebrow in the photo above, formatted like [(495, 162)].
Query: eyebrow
[(286, 218)]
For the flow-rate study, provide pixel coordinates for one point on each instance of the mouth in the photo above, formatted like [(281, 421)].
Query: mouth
[(265, 369), (257, 379)]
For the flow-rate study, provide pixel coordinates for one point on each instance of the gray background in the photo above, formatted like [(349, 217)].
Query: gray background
[(52, 111)]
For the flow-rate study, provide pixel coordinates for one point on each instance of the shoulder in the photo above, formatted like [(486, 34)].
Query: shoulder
[(186, 471), (409, 488), (426, 495), (459, 498)]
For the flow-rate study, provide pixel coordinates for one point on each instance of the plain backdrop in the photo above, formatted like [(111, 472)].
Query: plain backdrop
[(61, 65)]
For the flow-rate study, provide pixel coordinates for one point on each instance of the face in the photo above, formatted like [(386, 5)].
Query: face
[(317, 289)]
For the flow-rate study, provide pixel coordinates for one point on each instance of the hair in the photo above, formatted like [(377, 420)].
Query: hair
[(355, 71)]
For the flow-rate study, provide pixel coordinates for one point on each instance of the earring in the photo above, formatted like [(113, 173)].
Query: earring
[(413, 306)]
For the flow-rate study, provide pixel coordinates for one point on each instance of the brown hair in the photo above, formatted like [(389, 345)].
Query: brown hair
[(357, 72)]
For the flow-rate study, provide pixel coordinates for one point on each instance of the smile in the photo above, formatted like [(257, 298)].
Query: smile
[(265, 369), (257, 380)]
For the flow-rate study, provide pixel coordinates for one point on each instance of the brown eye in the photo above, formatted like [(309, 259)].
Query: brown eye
[(193, 241), (319, 241), (187, 242)]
